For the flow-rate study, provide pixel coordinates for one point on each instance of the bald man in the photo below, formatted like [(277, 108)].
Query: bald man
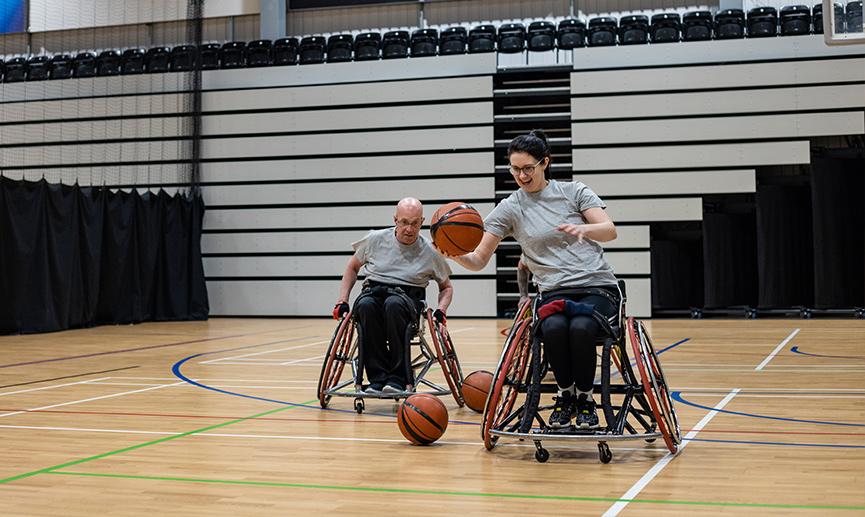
[(399, 263)]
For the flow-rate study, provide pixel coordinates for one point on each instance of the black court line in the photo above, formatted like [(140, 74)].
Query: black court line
[(68, 376)]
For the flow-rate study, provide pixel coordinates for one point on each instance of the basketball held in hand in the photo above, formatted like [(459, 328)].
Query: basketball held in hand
[(457, 228)]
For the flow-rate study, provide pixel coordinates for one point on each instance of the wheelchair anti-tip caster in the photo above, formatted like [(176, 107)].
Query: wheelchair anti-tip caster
[(805, 313), (750, 313), (604, 452), (359, 406), (542, 455), (696, 314)]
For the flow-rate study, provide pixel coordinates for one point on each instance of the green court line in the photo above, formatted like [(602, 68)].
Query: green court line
[(48, 470), (457, 493)]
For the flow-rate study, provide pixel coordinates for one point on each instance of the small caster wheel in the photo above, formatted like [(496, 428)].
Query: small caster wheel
[(751, 314), (805, 314), (696, 314), (324, 401), (542, 455), (358, 406), (650, 440), (604, 452), (860, 314)]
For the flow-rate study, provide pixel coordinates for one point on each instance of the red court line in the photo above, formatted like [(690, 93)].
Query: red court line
[(136, 349), (389, 421)]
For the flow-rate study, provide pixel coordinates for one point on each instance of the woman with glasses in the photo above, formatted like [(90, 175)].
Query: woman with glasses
[(558, 225)]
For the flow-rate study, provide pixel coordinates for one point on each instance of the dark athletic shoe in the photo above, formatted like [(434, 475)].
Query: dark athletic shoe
[(563, 411), (587, 417)]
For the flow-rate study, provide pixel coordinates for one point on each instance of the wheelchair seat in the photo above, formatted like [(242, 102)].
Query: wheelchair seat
[(434, 347)]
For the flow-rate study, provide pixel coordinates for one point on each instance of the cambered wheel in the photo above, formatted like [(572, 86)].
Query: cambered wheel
[(447, 357), (654, 384), (509, 375), (338, 354)]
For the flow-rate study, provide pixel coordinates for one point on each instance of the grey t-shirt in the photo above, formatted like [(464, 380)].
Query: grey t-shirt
[(387, 260), (555, 258)]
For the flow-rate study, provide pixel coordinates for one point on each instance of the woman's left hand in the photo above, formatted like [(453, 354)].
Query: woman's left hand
[(577, 230)]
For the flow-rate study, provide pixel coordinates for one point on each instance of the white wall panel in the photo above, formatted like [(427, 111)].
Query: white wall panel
[(349, 118), (648, 209), (682, 156), (682, 182), (639, 293), (98, 129), (716, 76), (359, 167), (329, 145), (798, 125), (269, 242), (316, 217), (311, 265), (316, 297), (349, 94), (630, 236), (712, 51), (93, 86), (129, 105), (90, 153), (705, 103), (351, 72), (349, 191), (629, 262)]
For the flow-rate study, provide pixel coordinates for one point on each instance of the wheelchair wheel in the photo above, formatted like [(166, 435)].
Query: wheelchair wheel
[(447, 357), (655, 385), (509, 376), (338, 353)]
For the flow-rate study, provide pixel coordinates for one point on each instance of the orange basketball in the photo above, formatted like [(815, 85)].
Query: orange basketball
[(476, 387), (457, 228), (422, 418)]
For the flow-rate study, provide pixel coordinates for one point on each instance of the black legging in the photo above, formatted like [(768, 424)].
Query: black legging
[(569, 343)]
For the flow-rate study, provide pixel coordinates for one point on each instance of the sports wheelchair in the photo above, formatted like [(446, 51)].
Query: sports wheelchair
[(344, 350), (643, 409)]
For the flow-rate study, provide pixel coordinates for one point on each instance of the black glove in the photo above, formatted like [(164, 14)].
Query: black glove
[(439, 316), (340, 310)]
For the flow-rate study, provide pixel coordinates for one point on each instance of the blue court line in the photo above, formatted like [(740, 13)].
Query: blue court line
[(793, 444), (796, 350), (677, 396), (674, 345), (176, 370)]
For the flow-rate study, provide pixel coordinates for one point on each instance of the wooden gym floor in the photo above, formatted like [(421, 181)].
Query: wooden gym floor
[(192, 419)]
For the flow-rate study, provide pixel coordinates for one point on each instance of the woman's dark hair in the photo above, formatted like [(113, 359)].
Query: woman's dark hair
[(534, 143)]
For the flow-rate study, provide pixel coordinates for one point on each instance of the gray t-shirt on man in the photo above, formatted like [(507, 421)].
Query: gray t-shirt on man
[(555, 258), (387, 260)]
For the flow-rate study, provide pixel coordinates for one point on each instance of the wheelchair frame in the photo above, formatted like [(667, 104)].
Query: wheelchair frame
[(521, 370), (344, 348)]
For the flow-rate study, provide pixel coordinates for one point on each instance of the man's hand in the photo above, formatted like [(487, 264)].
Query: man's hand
[(440, 316), (340, 310)]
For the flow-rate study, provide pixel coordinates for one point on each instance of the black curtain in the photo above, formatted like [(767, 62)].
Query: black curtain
[(677, 273), (784, 246), (73, 256), (837, 193), (730, 257)]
